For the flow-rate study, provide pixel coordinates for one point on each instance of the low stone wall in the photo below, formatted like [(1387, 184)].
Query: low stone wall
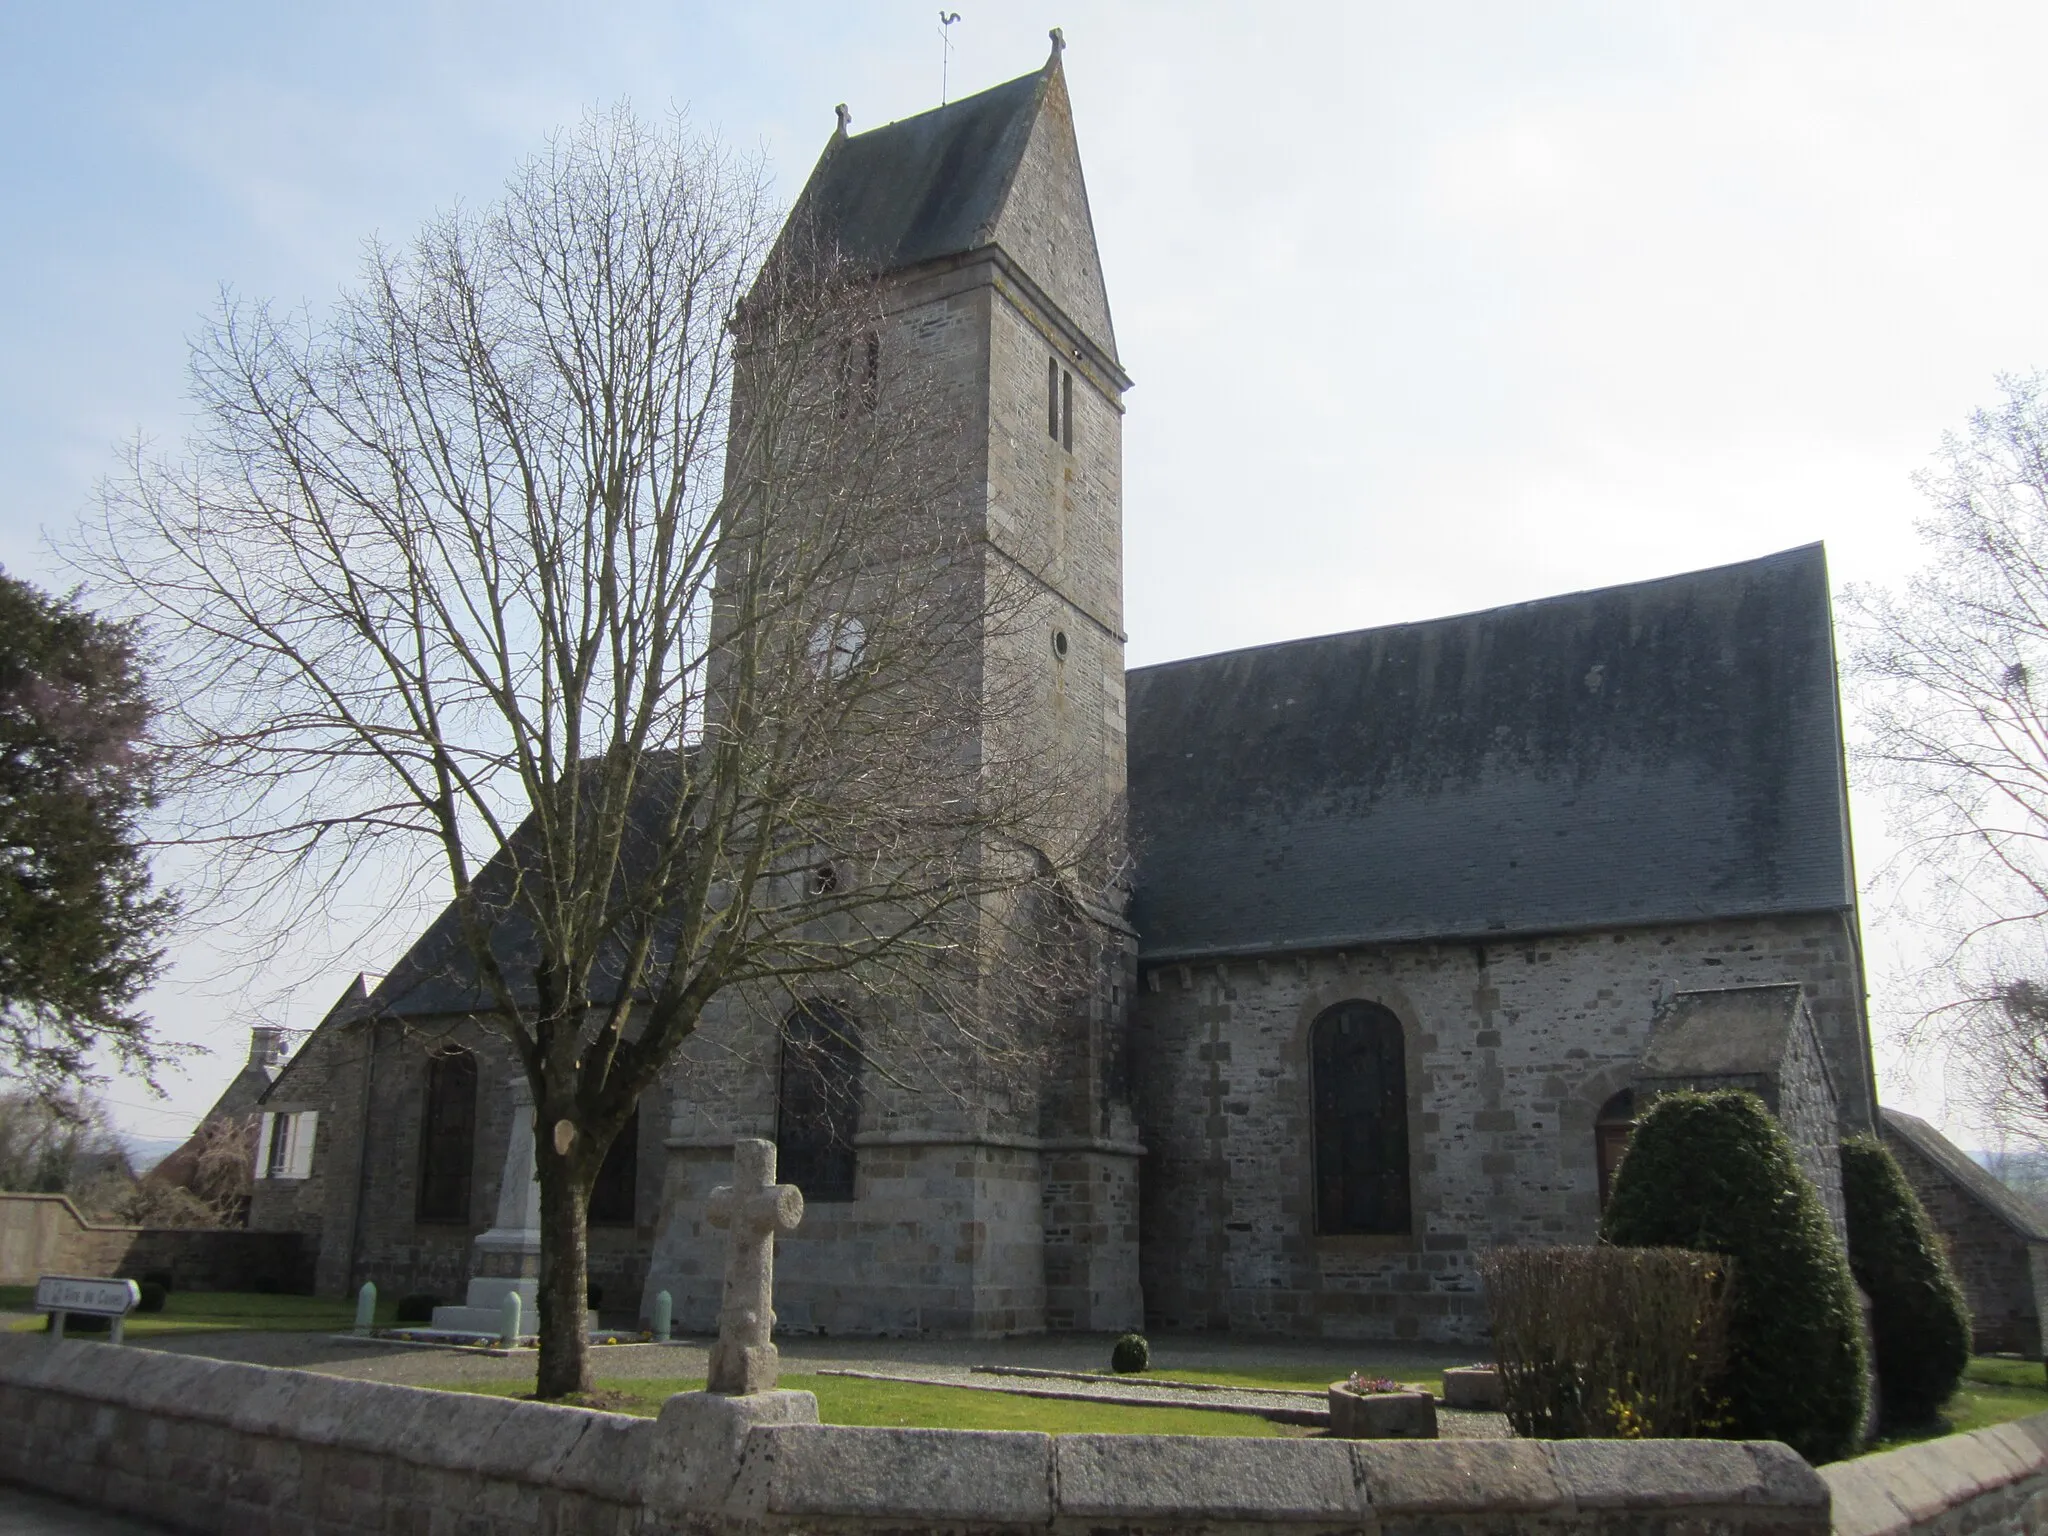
[(1990, 1483), (205, 1445), (45, 1235)]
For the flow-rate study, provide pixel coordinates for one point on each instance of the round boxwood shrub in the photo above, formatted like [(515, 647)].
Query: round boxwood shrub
[(416, 1308), (152, 1297), (1713, 1172), (1130, 1354), (1919, 1323)]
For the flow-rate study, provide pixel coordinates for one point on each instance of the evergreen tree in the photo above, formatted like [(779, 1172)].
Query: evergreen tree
[(1919, 1323), (79, 919), (1715, 1173)]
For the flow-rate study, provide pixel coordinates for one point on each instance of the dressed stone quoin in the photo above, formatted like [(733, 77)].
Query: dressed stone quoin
[(752, 1209), (1408, 906)]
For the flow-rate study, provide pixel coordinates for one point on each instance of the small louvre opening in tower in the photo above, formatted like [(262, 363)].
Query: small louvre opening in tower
[(1066, 410), (1052, 398)]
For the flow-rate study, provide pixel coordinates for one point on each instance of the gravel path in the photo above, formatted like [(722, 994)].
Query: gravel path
[(946, 1359), (936, 1362)]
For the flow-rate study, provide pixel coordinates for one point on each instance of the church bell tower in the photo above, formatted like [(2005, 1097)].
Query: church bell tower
[(962, 1219)]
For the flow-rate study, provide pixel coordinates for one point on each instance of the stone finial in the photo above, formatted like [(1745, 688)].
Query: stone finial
[(1059, 41), (753, 1208), (845, 118)]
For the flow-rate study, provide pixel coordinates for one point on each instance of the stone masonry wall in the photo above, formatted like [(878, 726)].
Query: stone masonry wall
[(938, 1239), (1991, 1261), (1990, 1483), (362, 1212), (45, 1235), (1806, 1108), (1511, 1049), (216, 1446)]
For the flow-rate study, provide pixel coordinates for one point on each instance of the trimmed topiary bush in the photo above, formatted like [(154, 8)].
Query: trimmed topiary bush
[(416, 1308), (1919, 1322), (1714, 1172), (1131, 1354)]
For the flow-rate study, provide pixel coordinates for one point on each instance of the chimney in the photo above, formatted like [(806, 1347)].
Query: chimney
[(266, 1046)]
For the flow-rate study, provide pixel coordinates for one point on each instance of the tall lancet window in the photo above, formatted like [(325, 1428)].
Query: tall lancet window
[(447, 1136), (618, 1176), (1359, 1078), (1052, 398), (818, 1105)]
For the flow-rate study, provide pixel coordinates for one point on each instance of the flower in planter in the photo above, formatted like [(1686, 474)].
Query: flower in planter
[(1358, 1383)]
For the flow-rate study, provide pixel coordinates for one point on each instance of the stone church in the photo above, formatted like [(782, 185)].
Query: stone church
[(1421, 913)]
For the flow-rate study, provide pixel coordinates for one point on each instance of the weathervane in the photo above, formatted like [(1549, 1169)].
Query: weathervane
[(946, 20)]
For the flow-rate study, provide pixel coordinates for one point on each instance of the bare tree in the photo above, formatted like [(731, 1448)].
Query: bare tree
[(629, 574), (1951, 678)]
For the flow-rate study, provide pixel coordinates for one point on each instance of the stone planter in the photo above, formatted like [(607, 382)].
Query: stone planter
[(1381, 1415), (1474, 1386)]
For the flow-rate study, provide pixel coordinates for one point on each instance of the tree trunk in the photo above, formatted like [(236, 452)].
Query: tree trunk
[(564, 1273)]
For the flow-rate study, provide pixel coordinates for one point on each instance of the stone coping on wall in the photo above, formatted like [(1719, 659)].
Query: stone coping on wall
[(188, 1440), (1992, 1480), (209, 1445)]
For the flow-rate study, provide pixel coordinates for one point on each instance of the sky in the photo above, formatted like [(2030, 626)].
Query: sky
[(1431, 307)]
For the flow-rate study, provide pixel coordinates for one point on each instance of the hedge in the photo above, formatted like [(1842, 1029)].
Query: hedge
[(1919, 1323), (1714, 1172)]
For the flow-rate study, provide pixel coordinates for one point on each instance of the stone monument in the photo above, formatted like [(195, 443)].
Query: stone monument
[(753, 1208), (507, 1257)]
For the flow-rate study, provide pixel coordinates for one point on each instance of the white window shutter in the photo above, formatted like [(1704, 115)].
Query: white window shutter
[(263, 1140), (301, 1151)]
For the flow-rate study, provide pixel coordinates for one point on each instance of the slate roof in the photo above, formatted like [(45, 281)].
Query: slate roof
[(929, 186), (1725, 1032), (1664, 751), (2015, 1211)]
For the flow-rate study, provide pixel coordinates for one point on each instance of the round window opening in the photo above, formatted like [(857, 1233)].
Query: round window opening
[(1059, 643)]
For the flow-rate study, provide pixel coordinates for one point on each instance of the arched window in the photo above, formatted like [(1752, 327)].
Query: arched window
[(1612, 1128), (818, 1103), (1359, 1077), (612, 1196), (447, 1136)]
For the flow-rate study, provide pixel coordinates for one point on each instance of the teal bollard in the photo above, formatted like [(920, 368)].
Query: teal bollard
[(508, 1322), (664, 1315), (366, 1307)]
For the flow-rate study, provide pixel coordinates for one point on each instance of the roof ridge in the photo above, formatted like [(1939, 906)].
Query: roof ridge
[(2006, 1203), (1476, 613)]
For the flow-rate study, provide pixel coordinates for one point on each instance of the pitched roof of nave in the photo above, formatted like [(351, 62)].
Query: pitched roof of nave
[(1664, 751), (1001, 167)]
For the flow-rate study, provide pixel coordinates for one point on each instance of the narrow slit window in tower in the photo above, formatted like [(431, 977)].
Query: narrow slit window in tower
[(1052, 398), (1066, 410)]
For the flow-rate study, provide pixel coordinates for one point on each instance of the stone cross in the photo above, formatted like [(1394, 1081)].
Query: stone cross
[(754, 1208)]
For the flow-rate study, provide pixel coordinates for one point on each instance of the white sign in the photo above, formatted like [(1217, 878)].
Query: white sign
[(97, 1298)]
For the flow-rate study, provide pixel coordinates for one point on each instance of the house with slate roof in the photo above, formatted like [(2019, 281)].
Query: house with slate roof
[(1411, 905)]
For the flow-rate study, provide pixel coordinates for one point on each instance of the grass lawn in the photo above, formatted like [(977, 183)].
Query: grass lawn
[(849, 1400), (1994, 1391), (214, 1311)]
